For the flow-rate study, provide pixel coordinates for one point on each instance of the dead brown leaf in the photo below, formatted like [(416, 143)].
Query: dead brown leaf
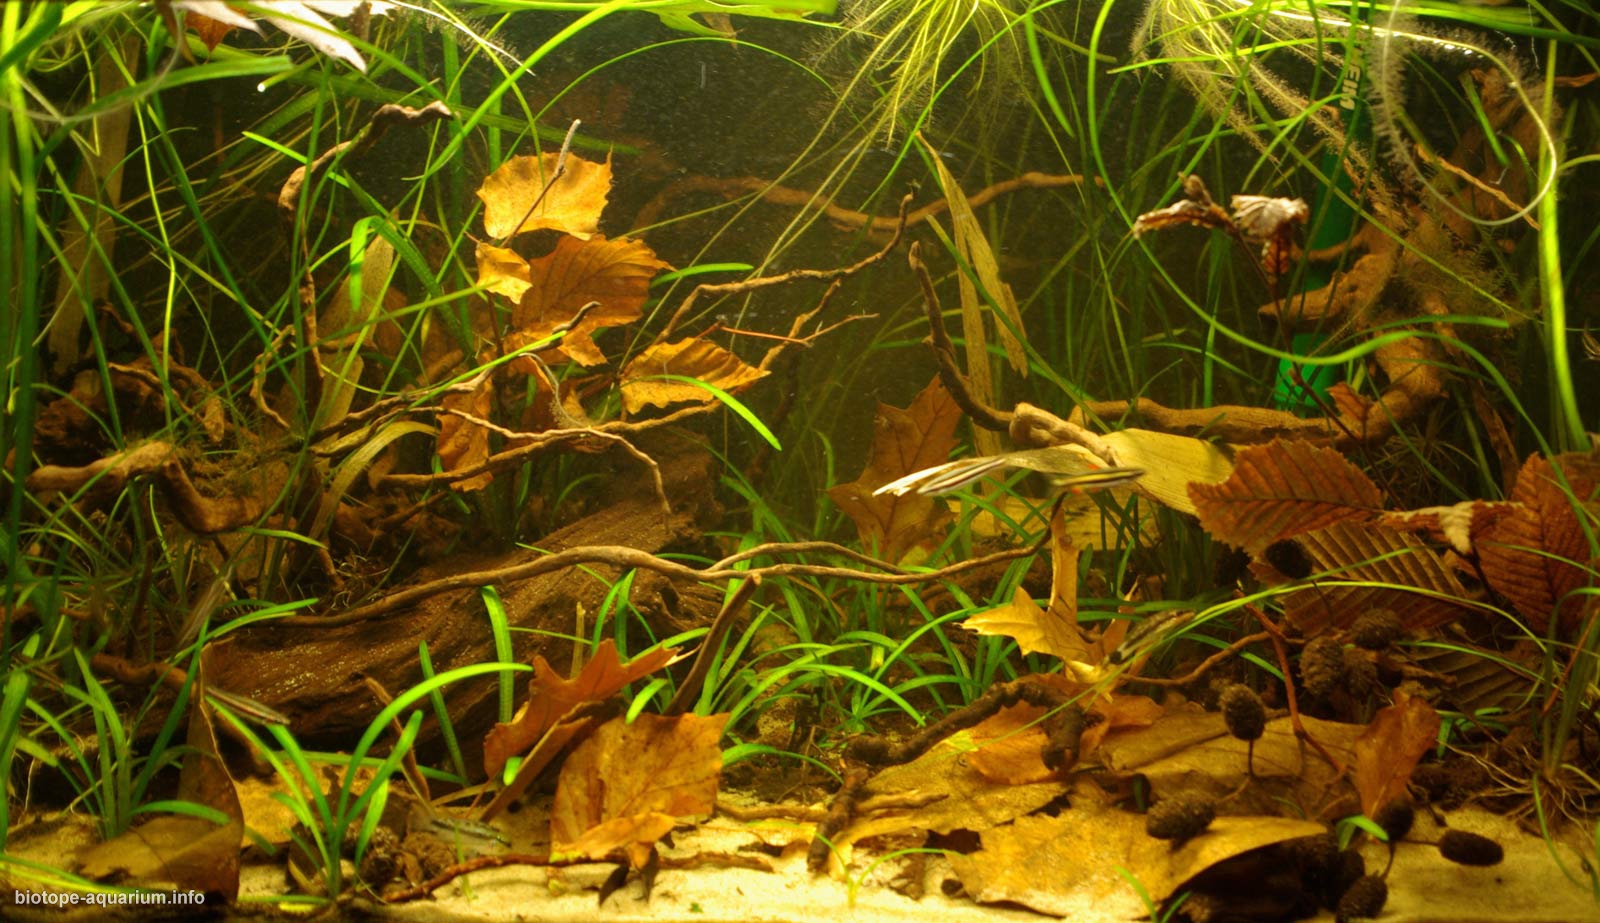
[(627, 785), (551, 696), (952, 793), (1387, 752), (184, 852), (1283, 489), (572, 205), (1189, 752), (692, 358), (614, 273), (1068, 865), (464, 443), (503, 272), (1455, 524), (920, 436), (1011, 743), (1536, 554), (1034, 630), (1393, 570)]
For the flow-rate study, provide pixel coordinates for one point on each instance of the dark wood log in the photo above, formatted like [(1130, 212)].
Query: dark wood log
[(316, 676)]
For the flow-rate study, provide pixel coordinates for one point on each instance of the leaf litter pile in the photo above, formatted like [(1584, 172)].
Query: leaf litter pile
[(1097, 785)]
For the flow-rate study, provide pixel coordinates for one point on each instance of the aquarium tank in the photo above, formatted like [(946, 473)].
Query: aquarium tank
[(769, 458)]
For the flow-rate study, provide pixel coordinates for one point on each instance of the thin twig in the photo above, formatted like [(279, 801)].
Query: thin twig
[(794, 275), (632, 558)]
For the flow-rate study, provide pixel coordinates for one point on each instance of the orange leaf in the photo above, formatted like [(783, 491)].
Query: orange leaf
[(920, 436), (551, 697), (1011, 746), (1534, 554), (693, 358), (1035, 631), (1283, 489), (573, 203), (1388, 750), (625, 786), (615, 273), (462, 442), (503, 272)]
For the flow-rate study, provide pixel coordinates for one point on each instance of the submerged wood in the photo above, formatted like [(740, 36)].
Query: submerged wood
[(317, 676)]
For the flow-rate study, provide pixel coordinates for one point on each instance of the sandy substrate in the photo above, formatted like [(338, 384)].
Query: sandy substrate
[(1530, 886)]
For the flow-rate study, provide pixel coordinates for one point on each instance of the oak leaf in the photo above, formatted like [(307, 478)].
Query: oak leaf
[(904, 440), (572, 204), (1388, 751), (1283, 489), (627, 785), (614, 273), (692, 358), (551, 696)]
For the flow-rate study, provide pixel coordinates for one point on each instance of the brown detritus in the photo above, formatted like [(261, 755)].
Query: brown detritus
[(840, 810)]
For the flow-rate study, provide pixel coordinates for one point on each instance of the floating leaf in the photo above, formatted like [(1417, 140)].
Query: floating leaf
[(1535, 554), (551, 696), (919, 436), (614, 273), (572, 205), (692, 358), (1387, 752), (627, 785), (1283, 489)]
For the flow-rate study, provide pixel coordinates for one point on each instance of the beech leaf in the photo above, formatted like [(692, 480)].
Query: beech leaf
[(691, 358), (1535, 554), (1396, 571), (614, 273), (1283, 489), (572, 205)]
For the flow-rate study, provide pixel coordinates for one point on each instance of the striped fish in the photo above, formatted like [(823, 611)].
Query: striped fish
[(1066, 470)]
